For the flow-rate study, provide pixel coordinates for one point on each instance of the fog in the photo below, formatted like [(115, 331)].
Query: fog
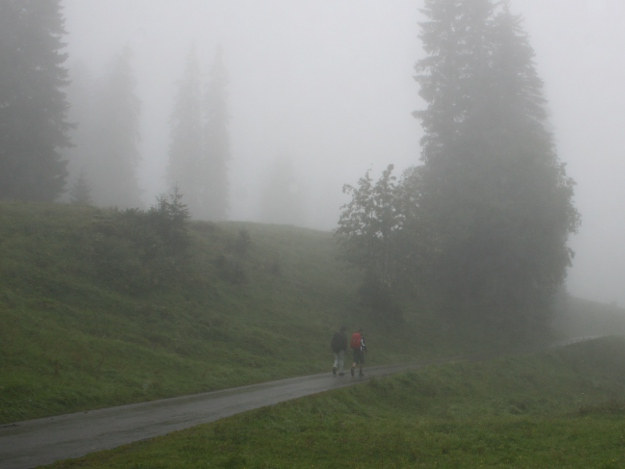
[(325, 89)]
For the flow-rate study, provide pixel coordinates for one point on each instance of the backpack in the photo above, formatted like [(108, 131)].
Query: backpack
[(338, 342), (355, 342)]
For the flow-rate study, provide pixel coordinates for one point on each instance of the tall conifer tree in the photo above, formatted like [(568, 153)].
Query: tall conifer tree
[(33, 105), (200, 147), (496, 197), (217, 141), (81, 94), (186, 170), (113, 169)]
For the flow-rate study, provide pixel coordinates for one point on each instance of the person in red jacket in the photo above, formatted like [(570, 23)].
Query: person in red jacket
[(359, 347)]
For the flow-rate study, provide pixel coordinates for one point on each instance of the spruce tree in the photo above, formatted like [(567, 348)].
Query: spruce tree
[(80, 192), (33, 105), (217, 151), (115, 156), (82, 94), (186, 170), (494, 193), (200, 147)]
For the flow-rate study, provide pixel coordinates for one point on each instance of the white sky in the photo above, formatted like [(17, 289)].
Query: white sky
[(329, 83)]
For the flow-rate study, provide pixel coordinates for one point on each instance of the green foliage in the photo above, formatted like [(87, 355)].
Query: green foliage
[(377, 230), (169, 217), (561, 408), (135, 251), (33, 126), (369, 222)]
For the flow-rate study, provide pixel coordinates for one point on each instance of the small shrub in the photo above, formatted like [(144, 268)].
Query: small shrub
[(169, 217)]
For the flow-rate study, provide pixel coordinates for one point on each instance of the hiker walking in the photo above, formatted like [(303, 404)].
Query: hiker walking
[(339, 346), (359, 347)]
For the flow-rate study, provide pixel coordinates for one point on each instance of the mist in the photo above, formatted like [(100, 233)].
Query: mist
[(324, 91)]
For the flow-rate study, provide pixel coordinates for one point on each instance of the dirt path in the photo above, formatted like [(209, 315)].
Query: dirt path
[(43, 441)]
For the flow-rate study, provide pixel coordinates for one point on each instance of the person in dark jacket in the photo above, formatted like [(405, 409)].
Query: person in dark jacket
[(338, 345)]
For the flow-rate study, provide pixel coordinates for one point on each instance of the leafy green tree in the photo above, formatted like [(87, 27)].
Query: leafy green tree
[(382, 232), (495, 196), (369, 223), (33, 105)]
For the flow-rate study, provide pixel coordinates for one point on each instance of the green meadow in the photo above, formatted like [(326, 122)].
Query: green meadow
[(94, 315), (560, 408), (97, 310)]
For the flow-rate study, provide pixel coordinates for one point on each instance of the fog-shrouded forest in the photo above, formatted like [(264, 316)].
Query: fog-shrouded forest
[(293, 100)]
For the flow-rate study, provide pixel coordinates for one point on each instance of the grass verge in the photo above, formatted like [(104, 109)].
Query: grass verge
[(562, 408)]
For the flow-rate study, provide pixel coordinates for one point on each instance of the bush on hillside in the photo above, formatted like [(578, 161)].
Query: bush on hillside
[(135, 250), (169, 218)]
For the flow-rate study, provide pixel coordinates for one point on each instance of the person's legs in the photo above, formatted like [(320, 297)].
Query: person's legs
[(359, 359), (336, 362), (340, 362)]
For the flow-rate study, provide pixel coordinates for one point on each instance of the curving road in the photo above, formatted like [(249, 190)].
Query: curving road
[(43, 441)]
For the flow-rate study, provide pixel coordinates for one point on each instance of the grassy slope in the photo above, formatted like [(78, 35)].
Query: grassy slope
[(562, 408), (80, 330), (74, 336), (577, 317)]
